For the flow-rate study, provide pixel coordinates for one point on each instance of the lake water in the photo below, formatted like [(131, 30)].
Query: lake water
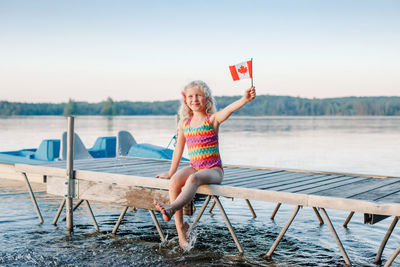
[(365, 145)]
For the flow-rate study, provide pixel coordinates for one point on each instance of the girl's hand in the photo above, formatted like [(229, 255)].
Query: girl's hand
[(250, 94), (163, 175)]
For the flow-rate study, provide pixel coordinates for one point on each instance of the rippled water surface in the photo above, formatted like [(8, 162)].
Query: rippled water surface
[(342, 144)]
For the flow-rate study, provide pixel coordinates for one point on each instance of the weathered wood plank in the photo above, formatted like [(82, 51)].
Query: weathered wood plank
[(327, 186), (244, 176), (379, 192), (284, 179), (352, 189), (309, 183), (269, 177), (7, 171), (311, 171), (130, 196), (392, 198)]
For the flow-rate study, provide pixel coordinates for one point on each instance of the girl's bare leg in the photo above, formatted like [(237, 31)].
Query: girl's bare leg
[(176, 183), (182, 189), (207, 176)]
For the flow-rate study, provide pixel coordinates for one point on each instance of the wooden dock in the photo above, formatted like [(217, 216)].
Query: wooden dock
[(131, 182)]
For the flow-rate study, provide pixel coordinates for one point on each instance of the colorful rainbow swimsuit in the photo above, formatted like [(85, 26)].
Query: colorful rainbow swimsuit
[(202, 144)]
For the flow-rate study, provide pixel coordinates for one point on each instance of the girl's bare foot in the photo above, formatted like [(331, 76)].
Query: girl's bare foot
[(166, 211), (182, 234)]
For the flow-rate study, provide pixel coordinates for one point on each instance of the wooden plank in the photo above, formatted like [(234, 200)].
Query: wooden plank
[(37, 169), (379, 192), (125, 170), (392, 198), (289, 178), (269, 177), (311, 171), (327, 186), (233, 173), (118, 164), (95, 165), (245, 176), (7, 171), (309, 183), (130, 196), (355, 188)]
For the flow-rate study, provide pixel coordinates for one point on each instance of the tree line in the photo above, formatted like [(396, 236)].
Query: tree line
[(263, 105)]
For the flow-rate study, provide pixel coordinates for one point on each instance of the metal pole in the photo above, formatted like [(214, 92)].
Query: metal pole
[(70, 173), (385, 239), (33, 198), (212, 206), (252, 72), (92, 216), (201, 211), (393, 257), (275, 211), (228, 223), (251, 208), (75, 207), (60, 209), (282, 233), (153, 216), (335, 235), (348, 219), (318, 216), (119, 220)]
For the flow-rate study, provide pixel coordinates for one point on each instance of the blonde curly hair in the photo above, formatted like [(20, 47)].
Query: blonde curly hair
[(185, 112)]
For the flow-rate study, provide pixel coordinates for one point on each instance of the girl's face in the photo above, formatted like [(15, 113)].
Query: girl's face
[(195, 99)]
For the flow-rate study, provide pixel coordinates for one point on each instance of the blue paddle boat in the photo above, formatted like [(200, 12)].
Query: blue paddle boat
[(104, 147)]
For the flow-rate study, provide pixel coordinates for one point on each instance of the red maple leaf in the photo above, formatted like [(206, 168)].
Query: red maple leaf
[(242, 69)]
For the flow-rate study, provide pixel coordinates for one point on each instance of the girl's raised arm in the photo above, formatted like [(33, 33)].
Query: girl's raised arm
[(224, 114), (176, 157)]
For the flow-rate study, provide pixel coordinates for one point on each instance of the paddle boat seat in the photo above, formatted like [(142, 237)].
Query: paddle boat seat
[(124, 143), (104, 147), (48, 150), (80, 151)]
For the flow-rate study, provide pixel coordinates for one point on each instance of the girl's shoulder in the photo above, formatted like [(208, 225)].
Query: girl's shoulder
[(212, 121), (185, 122), (211, 117)]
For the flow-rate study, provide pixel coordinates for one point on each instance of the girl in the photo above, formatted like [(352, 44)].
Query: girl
[(198, 128)]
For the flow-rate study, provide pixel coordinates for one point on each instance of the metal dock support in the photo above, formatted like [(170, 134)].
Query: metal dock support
[(248, 204), (92, 216), (348, 219), (159, 230), (60, 209), (393, 257), (153, 217), (114, 231), (33, 198), (228, 223), (378, 257), (333, 231), (282, 233)]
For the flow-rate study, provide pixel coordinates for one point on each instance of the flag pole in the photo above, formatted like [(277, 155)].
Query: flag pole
[(252, 72)]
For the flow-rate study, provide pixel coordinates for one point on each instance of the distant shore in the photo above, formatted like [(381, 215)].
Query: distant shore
[(263, 105)]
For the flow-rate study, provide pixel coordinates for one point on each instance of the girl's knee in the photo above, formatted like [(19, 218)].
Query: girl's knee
[(192, 179)]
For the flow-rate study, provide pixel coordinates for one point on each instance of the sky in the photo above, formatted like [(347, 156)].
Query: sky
[(53, 51)]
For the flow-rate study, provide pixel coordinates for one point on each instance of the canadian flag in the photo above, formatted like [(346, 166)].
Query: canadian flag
[(242, 70)]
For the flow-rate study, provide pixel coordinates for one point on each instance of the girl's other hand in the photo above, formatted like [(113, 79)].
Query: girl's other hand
[(163, 175), (250, 94)]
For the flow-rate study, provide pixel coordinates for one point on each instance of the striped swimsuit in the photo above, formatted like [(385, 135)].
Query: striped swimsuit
[(202, 144)]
